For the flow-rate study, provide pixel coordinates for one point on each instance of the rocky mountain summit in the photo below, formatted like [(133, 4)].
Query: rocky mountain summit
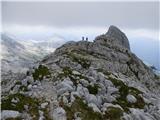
[(115, 36), (100, 80)]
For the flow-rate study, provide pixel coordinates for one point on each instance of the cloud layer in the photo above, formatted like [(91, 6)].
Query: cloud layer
[(77, 31), (138, 15)]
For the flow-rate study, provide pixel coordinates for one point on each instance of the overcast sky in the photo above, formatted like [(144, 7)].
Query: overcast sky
[(67, 14), (36, 20), (89, 18)]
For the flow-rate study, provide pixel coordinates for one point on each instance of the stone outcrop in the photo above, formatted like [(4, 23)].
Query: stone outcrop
[(114, 37), (6, 114)]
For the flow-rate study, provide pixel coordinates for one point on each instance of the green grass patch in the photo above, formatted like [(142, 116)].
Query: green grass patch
[(157, 77), (19, 106), (124, 90), (113, 113), (23, 88), (86, 113), (93, 89), (18, 83), (84, 62), (18, 118), (46, 113), (40, 72), (3, 82), (67, 72)]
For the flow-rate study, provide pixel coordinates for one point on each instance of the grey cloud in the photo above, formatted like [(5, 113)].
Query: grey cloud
[(65, 14)]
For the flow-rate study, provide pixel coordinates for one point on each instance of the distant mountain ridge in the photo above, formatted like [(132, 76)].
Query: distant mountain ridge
[(21, 54), (16, 56)]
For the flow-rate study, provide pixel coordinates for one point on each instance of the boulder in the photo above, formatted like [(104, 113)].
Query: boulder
[(117, 37), (15, 100), (59, 114), (41, 115), (73, 94), (6, 114), (108, 83), (106, 105), (131, 99), (64, 86), (84, 82), (29, 87), (43, 105), (138, 114), (92, 99), (30, 79), (112, 90), (108, 98), (65, 100), (82, 91), (94, 107), (76, 72)]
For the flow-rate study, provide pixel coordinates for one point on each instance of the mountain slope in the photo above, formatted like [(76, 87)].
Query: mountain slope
[(100, 80), (18, 55)]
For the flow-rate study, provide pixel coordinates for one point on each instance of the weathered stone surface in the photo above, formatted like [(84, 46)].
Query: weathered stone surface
[(94, 107), (93, 99), (64, 86), (15, 100), (106, 105), (43, 105), (5, 114), (131, 99), (82, 91), (59, 114), (118, 36), (140, 115), (29, 87)]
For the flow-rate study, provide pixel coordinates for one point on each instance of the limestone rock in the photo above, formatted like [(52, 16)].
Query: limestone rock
[(140, 115), (59, 114), (5, 114), (117, 35), (131, 99), (106, 105), (94, 107), (43, 105), (64, 86)]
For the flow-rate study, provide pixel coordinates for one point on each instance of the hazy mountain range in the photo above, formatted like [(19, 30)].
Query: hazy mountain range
[(18, 55), (17, 52)]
